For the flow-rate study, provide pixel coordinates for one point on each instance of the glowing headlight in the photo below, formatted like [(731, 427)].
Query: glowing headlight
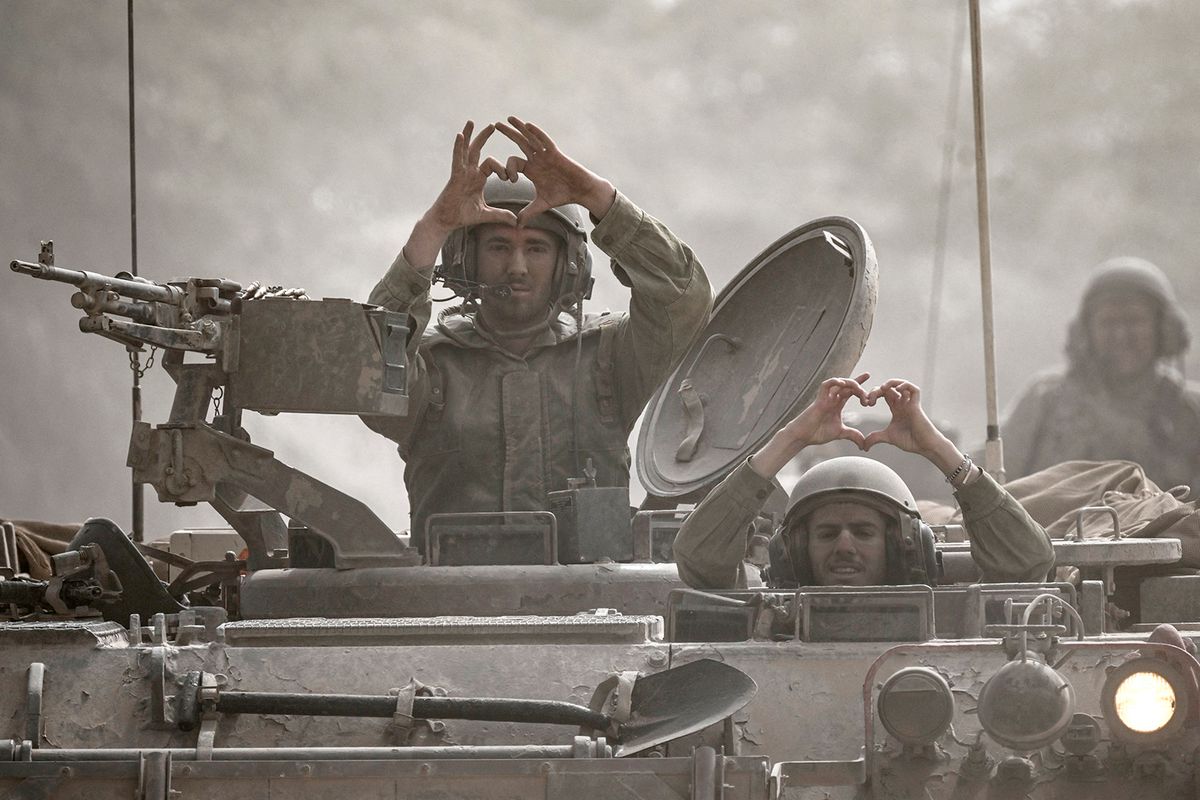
[(1026, 705), (1145, 702), (915, 705), (1142, 700)]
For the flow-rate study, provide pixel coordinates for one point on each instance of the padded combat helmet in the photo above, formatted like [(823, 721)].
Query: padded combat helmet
[(572, 274), (910, 553), (1132, 274)]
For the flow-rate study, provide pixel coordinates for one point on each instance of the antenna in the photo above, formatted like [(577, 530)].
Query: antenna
[(994, 448), (937, 278), (134, 352)]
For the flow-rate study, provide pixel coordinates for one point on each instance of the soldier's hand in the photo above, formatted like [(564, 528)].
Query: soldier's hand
[(255, 290), (461, 202), (910, 428), (557, 178), (822, 421)]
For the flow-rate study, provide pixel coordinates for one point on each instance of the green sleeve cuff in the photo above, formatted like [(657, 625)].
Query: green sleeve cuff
[(747, 488), (614, 233), (980, 498), (401, 286)]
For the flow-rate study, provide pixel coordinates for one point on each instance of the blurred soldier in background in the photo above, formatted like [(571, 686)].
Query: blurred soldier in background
[(1119, 398), (515, 391)]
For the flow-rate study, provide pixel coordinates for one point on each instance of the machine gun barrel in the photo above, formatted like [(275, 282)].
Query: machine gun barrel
[(88, 281)]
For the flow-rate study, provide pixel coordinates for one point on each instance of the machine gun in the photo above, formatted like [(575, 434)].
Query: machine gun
[(271, 355)]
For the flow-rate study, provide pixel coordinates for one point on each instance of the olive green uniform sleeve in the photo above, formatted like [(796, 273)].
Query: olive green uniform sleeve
[(671, 299), (711, 543), (1006, 543), (406, 288)]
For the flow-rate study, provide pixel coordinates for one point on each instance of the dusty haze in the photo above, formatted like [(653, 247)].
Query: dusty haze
[(297, 142)]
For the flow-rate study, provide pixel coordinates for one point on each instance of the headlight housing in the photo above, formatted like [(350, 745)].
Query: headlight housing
[(1145, 700), (915, 705), (1026, 705)]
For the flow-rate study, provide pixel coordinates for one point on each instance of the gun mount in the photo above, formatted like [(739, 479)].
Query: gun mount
[(273, 354)]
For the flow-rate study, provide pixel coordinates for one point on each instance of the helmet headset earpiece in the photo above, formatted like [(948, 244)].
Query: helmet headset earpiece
[(910, 553)]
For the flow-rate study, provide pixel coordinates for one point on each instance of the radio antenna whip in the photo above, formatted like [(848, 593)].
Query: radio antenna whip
[(937, 277), (994, 448), (134, 352)]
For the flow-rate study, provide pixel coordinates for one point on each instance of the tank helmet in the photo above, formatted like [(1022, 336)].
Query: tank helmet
[(1129, 273), (909, 547), (572, 274)]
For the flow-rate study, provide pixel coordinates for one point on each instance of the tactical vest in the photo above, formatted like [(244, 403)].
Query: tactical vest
[(500, 431)]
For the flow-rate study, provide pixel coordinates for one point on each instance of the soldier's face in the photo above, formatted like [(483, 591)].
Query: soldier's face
[(524, 259), (847, 545), (1123, 329)]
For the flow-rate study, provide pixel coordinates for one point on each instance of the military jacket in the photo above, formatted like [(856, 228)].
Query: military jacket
[(489, 430), (1065, 417), (1006, 543)]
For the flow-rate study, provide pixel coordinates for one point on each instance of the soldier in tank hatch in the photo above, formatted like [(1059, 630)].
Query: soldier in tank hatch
[(851, 521), (516, 390)]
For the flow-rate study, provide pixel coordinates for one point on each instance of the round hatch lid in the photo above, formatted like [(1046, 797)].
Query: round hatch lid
[(799, 313)]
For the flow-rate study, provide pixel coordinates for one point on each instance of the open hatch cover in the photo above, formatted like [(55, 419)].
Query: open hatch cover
[(799, 313)]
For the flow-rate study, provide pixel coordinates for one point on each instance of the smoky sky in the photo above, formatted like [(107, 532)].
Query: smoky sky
[(297, 142)]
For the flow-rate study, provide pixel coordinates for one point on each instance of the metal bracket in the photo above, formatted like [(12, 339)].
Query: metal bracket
[(154, 775), (402, 718), (9, 563), (207, 692), (35, 725)]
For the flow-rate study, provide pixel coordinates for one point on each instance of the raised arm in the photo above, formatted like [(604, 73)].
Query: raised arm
[(1006, 543), (405, 286), (711, 543)]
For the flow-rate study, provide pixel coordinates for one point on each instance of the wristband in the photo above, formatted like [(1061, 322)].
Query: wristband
[(963, 469)]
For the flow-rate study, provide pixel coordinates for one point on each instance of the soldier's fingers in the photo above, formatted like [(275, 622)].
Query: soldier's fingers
[(873, 438), (518, 138), (854, 435), (855, 388), (499, 216), (535, 207), (516, 165), (491, 166), (540, 136), (527, 130), (842, 395), (459, 156), (477, 144)]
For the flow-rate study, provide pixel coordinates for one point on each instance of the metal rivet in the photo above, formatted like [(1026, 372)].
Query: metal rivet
[(425, 769), (546, 767), (65, 771), (186, 770), (306, 769)]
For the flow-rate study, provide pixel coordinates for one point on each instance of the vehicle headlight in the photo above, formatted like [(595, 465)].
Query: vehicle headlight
[(1143, 700), (1026, 705), (915, 705)]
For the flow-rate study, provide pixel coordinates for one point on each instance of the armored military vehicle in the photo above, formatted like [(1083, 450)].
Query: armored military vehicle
[(550, 653)]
